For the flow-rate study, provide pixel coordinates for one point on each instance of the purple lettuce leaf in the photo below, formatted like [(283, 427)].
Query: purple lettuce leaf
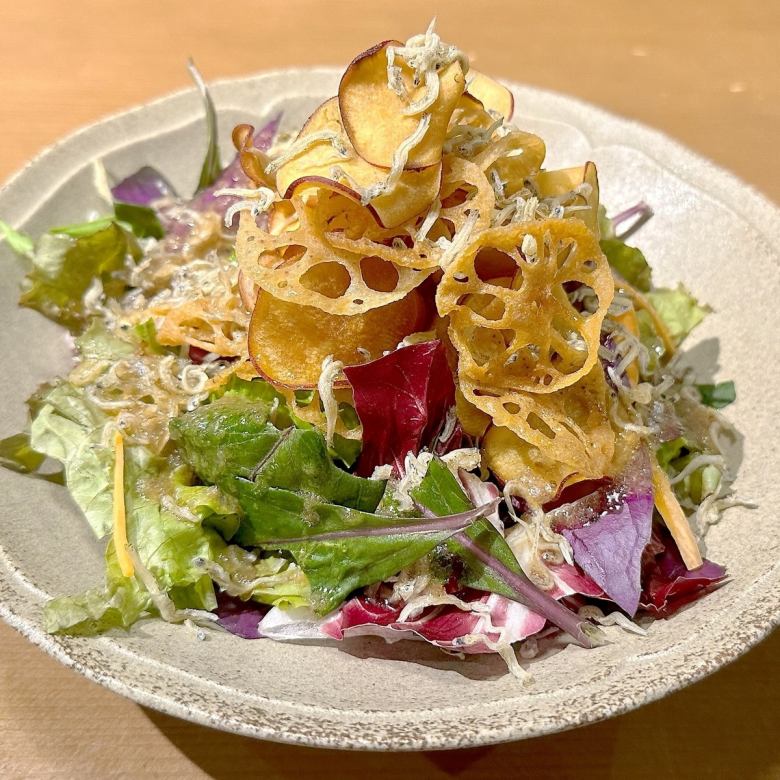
[(143, 187), (609, 530), (240, 617)]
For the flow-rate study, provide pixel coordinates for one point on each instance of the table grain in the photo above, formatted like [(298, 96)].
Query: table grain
[(706, 73)]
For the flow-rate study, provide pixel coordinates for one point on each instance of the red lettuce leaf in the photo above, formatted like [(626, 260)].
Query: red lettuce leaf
[(608, 531), (402, 400), (668, 584), (447, 627)]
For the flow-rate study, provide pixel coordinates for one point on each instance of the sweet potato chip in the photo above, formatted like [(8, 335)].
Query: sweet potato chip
[(538, 477), (374, 115), (301, 266), (570, 426), (335, 164), (514, 158), (576, 189), (288, 341), (493, 96), (470, 112), (529, 335)]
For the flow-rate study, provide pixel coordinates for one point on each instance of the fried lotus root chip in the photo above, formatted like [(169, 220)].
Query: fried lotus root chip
[(300, 266), (374, 114), (511, 319), (335, 164), (199, 323), (494, 97), (346, 228), (464, 189), (576, 189), (473, 421), (570, 426), (288, 341), (538, 478)]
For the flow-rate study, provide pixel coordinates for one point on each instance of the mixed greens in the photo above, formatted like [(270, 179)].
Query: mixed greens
[(400, 489)]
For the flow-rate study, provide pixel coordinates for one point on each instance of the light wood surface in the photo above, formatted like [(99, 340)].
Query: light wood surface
[(706, 73)]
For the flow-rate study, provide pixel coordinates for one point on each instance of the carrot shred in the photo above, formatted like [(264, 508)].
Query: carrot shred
[(119, 514), (676, 521)]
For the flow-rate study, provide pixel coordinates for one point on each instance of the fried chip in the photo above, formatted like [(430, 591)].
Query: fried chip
[(334, 164), (535, 476), (529, 335), (513, 158), (470, 112), (473, 421), (374, 115), (288, 342), (493, 96), (576, 189), (300, 266), (197, 323), (570, 426)]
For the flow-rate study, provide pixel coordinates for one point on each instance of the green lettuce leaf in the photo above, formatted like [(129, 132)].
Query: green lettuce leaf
[(299, 461), (673, 456), (718, 396), (226, 439), (97, 342), (146, 333), (211, 167), (17, 454), (678, 309), (271, 580), (142, 220), (629, 262), (83, 229), (65, 266), (234, 437), (70, 429), (440, 493), (167, 545), (119, 604), (282, 519), (211, 506), (20, 243), (650, 339)]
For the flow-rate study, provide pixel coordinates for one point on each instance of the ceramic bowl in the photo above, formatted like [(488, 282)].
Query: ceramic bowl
[(710, 231)]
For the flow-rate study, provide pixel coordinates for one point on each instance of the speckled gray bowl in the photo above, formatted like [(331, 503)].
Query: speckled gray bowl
[(710, 231)]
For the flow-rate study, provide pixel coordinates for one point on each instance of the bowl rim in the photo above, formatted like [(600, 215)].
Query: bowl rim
[(420, 732)]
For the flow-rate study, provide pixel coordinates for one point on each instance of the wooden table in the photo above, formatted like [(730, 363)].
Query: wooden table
[(706, 73)]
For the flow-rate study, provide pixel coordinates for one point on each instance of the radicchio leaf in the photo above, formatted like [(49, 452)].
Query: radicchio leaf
[(402, 400), (668, 584), (447, 627), (608, 531)]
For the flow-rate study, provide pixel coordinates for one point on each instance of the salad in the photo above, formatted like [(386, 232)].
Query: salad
[(386, 376)]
